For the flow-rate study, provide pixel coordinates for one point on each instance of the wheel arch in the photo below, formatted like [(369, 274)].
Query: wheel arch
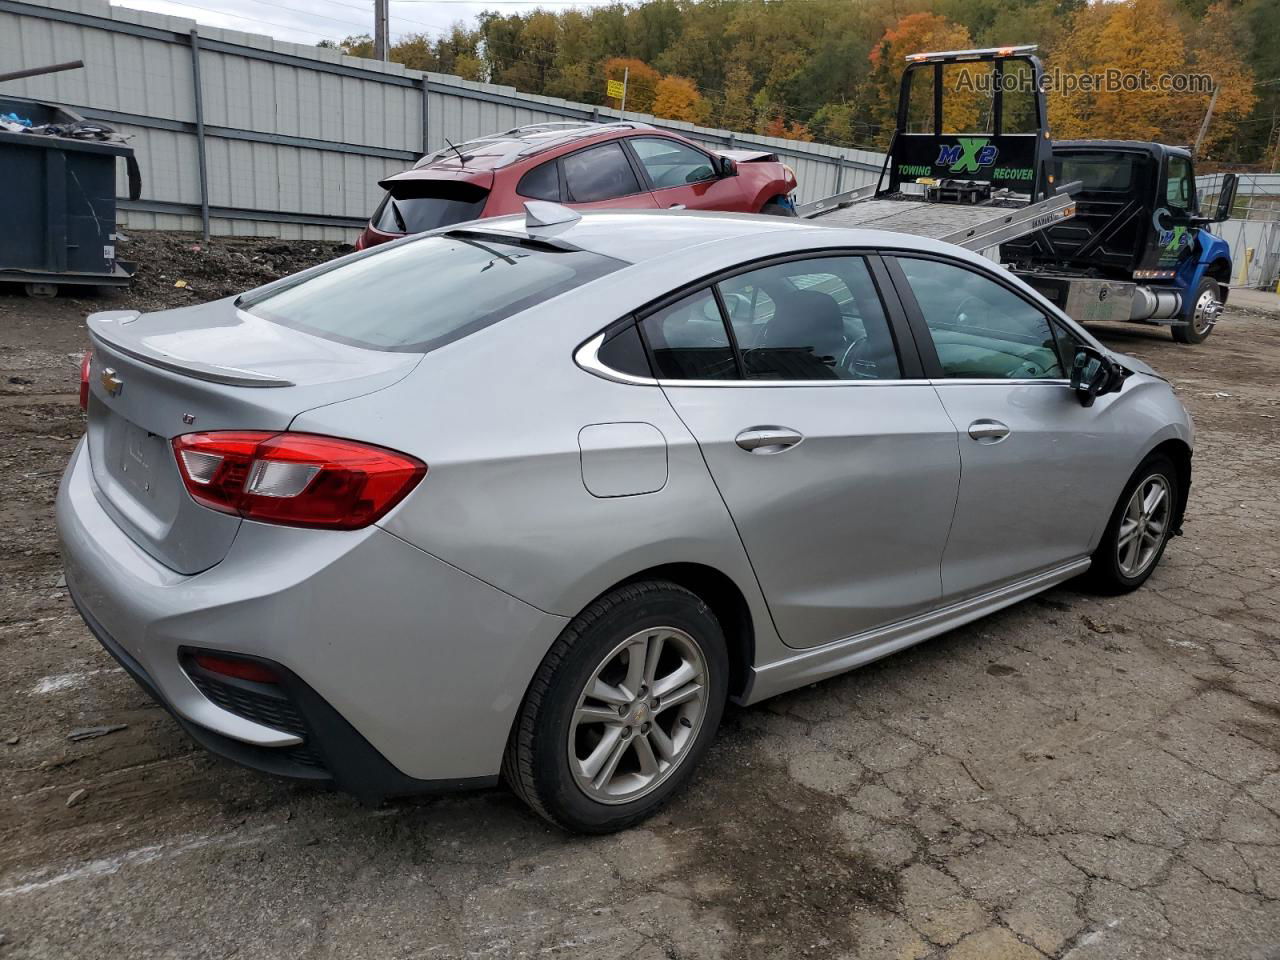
[(1179, 452), (726, 600)]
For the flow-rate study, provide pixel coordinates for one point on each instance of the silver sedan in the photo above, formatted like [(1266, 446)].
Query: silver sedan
[(533, 497)]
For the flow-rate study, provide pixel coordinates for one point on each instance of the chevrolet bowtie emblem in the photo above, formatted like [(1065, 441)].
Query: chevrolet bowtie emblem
[(111, 383)]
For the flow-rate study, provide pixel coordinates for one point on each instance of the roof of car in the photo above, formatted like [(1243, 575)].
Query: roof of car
[(638, 235), (518, 143)]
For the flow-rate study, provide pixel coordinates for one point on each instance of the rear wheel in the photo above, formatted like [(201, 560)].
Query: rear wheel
[(1139, 529), (621, 709), (1205, 307), (777, 208)]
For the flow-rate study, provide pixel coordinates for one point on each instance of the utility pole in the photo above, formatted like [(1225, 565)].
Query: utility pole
[(1204, 127), (381, 28), (622, 109)]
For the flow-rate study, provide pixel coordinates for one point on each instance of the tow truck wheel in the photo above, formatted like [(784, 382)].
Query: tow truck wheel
[(1205, 307)]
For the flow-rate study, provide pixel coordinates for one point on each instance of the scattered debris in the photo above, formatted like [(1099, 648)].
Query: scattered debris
[(180, 284), (76, 796), (25, 382), (13, 740), (89, 733), (1095, 625)]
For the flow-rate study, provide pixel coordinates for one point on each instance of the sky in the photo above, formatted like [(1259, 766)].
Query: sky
[(310, 21)]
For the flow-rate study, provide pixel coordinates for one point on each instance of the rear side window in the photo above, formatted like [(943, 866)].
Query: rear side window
[(422, 294), (1109, 172), (541, 183), (818, 319), (689, 341), (600, 173), (415, 206)]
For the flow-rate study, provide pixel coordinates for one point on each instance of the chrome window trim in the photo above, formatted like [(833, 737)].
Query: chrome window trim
[(587, 357)]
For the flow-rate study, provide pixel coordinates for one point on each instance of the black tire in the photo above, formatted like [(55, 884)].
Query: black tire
[(537, 761), (1107, 574), (776, 208), (1194, 330)]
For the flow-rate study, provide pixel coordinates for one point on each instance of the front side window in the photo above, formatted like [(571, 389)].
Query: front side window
[(600, 173), (818, 319), (688, 340), (1178, 192), (981, 329), (420, 294), (671, 164)]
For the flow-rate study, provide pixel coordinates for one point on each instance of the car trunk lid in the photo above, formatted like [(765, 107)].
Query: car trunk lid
[(211, 367)]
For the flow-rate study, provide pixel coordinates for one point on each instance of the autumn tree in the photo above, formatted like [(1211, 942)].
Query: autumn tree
[(642, 82), (676, 98), (915, 33), (1150, 36)]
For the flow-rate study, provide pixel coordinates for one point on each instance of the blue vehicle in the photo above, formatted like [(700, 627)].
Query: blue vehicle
[(1138, 248)]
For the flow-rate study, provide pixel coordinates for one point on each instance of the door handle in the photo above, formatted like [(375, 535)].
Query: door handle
[(767, 439), (677, 206), (988, 431)]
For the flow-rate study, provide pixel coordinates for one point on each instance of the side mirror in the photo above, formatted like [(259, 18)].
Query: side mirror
[(1226, 197), (1092, 375), (727, 167)]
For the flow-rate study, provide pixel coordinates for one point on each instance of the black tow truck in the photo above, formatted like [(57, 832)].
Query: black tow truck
[(1138, 248)]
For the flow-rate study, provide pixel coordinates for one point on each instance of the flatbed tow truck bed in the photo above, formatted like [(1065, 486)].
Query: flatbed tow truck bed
[(976, 227)]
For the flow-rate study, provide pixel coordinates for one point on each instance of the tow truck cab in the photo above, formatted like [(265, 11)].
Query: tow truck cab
[(1138, 248)]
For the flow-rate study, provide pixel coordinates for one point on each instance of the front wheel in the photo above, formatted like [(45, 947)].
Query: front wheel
[(777, 208), (621, 709), (1139, 529), (1205, 307)]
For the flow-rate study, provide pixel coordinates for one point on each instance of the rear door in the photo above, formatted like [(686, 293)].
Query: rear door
[(1037, 467), (680, 175), (602, 178), (837, 462)]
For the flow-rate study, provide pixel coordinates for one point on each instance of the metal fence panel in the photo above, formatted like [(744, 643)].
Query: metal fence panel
[(296, 137)]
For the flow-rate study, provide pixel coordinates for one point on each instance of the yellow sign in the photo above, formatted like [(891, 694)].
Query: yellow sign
[(614, 88)]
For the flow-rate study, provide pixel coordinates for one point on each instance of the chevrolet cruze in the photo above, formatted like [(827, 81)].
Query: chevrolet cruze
[(531, 498)]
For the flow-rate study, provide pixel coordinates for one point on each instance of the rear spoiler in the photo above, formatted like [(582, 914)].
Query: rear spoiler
[(110, 329)]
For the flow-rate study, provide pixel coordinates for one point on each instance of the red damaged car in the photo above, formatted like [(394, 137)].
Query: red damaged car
[(588, 166)]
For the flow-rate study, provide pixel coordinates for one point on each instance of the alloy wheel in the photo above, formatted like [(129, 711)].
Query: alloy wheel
[(638, 715), (1144, 526)]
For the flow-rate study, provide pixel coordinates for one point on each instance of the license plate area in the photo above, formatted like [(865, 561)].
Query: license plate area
[(133, 457)]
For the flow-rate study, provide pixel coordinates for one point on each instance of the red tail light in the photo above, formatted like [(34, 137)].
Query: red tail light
[(298, 479), (84, 380)]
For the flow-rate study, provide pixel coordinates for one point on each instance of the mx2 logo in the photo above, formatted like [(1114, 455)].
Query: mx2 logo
[(967, 155)]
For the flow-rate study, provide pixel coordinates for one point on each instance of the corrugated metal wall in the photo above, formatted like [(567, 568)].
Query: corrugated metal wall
[(296, 137)]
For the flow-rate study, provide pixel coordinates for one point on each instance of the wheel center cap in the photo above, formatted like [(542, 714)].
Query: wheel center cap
[(639, 713)]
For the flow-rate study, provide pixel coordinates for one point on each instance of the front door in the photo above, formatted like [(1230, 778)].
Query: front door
[(840, 473), (683, 176), (1037, 468)]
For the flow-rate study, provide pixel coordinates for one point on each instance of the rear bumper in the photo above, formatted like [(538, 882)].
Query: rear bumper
[(405, 671), (330, 750)]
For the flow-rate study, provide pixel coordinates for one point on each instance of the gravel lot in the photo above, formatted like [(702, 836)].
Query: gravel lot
[(1074, 777)]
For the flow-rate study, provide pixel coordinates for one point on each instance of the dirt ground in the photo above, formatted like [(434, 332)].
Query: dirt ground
[(1073, 777)]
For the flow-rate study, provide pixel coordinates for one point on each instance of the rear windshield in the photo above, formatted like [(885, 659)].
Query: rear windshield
[(415, 206), (1106, 171), (417, 295)]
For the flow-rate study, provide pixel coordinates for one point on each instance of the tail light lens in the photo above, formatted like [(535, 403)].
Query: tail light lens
[(297, 479), (84, 379)]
